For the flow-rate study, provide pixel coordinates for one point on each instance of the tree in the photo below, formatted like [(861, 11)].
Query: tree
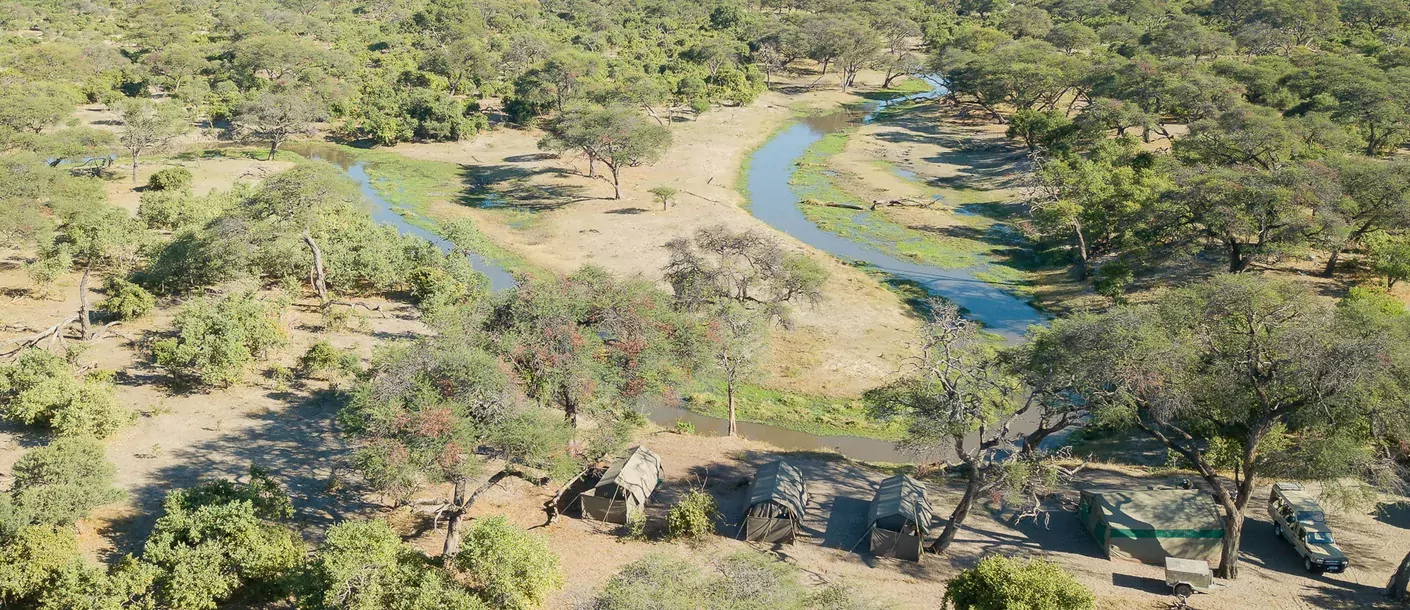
[(221, 538), (1000, 583), (510, 568), (590, 342), (32, 107), (96, 238), (364, 565), (1389, 254), (857, 46), (148, 126), (1049, 130), (277, 116), (61, 482), (740, 340), (439, 410), (617, 137), (293, 201), (1377, 198), (749, 268), (218, 338), (39, 388), (663, 194), (1236, 375), (957, 394), (1249, 212)]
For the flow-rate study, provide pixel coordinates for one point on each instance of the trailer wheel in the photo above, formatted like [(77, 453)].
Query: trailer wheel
[(1184, 590)]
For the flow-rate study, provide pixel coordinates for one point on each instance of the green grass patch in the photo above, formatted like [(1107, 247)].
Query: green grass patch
[(811, 414)]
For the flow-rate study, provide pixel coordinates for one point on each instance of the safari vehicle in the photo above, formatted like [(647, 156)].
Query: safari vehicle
[(1299, 519)]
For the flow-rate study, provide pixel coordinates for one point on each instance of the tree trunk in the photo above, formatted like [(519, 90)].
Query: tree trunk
[(1084, 262), (273, 147), (134, 166), (616, 183), (320, 281), (83, 314), (592, 165), (733, 427), (461, 505), (1331, 267), (1400, 581), (1236, 256), (971, 489), (570, 409), (1229, 554)]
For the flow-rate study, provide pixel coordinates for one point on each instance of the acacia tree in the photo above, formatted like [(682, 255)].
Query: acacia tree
[(277, 116), (96, 238), (149, 126), (293, 200), (615, 136), (440, 410), (958, 394), (1236, 375), (748, 268), (858, 47), (1377, 199)]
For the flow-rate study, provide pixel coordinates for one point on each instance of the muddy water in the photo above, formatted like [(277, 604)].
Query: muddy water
[(384, 212), (773, 200)]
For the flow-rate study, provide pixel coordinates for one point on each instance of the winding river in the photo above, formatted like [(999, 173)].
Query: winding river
[(771, 170)]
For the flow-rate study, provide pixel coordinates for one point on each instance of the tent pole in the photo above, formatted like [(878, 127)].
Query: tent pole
[(864, 537)]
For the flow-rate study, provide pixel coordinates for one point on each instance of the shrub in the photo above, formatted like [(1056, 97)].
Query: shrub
[(217, 339), (363, 565), (60, 483), (178, 209), (214, 540), (1000, 583), (31, 559), (40, 389), (693, 517), (511, 568), (198, 257), (743, 581), (170, 179), (322, 357), (126, 300)]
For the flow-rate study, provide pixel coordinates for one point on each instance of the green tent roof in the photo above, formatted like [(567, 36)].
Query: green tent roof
[(1162, 513), (779, 482), (900, 499)]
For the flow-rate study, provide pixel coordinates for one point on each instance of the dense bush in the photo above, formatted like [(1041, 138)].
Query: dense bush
[(167, 209), (510, 568), (363, 565), (41, 389), (1001, 583), (170, 179), (322, 357), (693, 517), (197, 257), (125, 300), (216, 540), (61, 482), (217, 339)]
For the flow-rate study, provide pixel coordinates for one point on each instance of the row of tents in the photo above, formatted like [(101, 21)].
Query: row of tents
[(899, 517), (1147, 525)]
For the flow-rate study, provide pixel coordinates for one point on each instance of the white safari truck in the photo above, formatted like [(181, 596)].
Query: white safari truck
[(1299, 519)]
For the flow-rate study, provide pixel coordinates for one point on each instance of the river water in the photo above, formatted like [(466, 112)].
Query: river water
[(771, 170)]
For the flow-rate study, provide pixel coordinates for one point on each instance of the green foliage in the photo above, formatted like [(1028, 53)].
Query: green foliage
[(217, 339), (215, 541), (181, 209), (1112, 280), (61, 482), (170, 179), (509, 567), (1000, 583), (31, 559), (41, 389), (693, 516), (663, 195), (125, 300), (322, 357), (363, 565)]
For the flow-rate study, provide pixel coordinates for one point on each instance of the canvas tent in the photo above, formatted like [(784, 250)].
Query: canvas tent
[(624, 488), (777, 498), (1151, 525), (899, 518)]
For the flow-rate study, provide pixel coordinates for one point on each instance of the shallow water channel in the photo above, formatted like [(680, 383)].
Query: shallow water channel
[(774, 201), (770, 171)]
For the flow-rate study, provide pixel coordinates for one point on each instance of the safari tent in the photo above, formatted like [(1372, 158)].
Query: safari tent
[(624, 488), (1151, 525), (777, 499), (900, 518)]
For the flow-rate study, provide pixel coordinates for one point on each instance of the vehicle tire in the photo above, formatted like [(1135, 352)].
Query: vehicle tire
[(1184, 590), (1308, 565), (1277, 530)]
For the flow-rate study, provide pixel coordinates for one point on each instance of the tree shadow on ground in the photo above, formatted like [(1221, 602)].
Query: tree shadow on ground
[(298, 445), (515, 187)]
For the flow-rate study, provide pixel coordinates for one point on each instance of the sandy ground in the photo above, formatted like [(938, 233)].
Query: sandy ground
[(847, 344)]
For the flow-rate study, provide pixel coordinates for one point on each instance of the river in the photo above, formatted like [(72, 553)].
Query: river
[(771, 170)]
